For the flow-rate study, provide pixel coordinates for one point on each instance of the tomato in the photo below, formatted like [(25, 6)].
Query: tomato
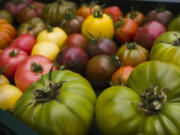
[(66, 108), (149, 106), (53, 12), (56, 35), (34, 26), (99, 25), (9, 94), (121, 76), (3, 80), (31, 69), (132, 54), (101, 46), (25, 42), (76, 39), (7, 33), (115, 12), (125, 30), (11, 57), (32, 10), (166, 48), (100, 70), (137, 16), (4, 14), (86, 10), (73, 58), (174, 25), (47, 49)]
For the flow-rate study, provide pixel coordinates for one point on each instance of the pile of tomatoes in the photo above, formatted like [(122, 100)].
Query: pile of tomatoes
[(103, 45)]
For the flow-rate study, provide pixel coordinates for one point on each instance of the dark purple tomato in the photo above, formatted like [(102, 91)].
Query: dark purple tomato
[(100, 70), (161, 15), (76, 39), (73, 58), (101, 46)]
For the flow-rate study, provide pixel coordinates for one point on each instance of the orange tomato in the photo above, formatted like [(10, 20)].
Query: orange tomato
[(121, 75)]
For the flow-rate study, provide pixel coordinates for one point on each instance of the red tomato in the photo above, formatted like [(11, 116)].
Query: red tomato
[(76, 39), (11, 57), (125, 30), (115, 12), (25, 42), (31, 69), (121, 75)]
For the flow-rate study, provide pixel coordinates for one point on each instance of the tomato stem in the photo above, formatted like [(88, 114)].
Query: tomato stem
[(131, 45), (177, 42), (115, 60), (49, 27), (160, 8), (13, 53), (153, 99), (119, 23), (36, 68), (93, 40), (3, 69), (133, 13), (97, 13)]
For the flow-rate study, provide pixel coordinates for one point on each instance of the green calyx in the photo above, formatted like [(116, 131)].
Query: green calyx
[(131, 46), (133, 13), (177, 42), (116, 62), (92, 39), (13, 53), (153, 99), (160, 8), (36, 68), (119, 23), (3, 69), (97, 13), (49, 27), (69, 14)]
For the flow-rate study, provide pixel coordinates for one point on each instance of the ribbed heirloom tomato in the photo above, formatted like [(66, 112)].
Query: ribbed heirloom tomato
[(31, 69), (60, 103), (150, 105)]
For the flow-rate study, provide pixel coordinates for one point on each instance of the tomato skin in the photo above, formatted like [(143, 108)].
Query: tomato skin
[(56, 35), (24, 42), (98, 26), (99, 70), (132, 56), (76, 39), (137, 16), (12, 61), (121, 108), (124, 73), (25, 76), (9, 94), (115, 12), (174, 25), (46, 48), (76, 95), (127, 31), (3, 80)]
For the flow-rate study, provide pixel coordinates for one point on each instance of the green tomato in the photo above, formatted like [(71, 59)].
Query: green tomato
[(174, 24), (167, 48), (150, 106), (61, 103), (4, 14)]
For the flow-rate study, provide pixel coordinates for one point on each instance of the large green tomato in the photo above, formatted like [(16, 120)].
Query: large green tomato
[(174, 24), (150, 106), (61, 103), (167, 48)]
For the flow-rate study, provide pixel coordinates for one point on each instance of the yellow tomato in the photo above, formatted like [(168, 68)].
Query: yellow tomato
[(47, 49), (9, 94), (3, 80), (56, 35), (98, 24)]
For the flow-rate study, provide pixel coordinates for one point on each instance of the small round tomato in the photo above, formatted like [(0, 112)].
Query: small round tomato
[(115, 12), (121, 75), (25, 42), (132, 54), (125, 30), (47, 49), (76, 39), (100, 70), (31, 69), (137, 16), (9, 94), (56, 35), (87, 10), (11, 57)]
